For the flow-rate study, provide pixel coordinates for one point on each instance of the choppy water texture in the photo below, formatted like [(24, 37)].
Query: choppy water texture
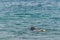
[(17, 16)]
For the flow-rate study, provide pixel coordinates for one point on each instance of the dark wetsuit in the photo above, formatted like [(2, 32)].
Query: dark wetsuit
[(32, 28)]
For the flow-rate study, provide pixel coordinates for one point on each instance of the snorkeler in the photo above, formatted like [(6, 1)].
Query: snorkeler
[(40, 30), (33, 28)]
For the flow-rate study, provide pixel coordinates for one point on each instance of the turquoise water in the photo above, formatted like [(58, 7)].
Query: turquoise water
[(17, 16)]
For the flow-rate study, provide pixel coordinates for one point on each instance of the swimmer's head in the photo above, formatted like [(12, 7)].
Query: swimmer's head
[(32, 28)]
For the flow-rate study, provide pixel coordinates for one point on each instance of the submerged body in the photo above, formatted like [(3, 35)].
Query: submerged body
[(33, 28), (40, 30)]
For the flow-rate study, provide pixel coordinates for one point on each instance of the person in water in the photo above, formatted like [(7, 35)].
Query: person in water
[(33, 28), (41, 30)]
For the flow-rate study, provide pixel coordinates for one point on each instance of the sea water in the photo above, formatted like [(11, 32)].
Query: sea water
[(18, 16)]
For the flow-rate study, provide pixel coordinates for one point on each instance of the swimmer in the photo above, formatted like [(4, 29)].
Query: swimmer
[(40, 30), (33, 28)]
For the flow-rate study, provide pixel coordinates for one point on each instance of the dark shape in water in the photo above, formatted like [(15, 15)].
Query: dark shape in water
[(32, 28), (40, 30)]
